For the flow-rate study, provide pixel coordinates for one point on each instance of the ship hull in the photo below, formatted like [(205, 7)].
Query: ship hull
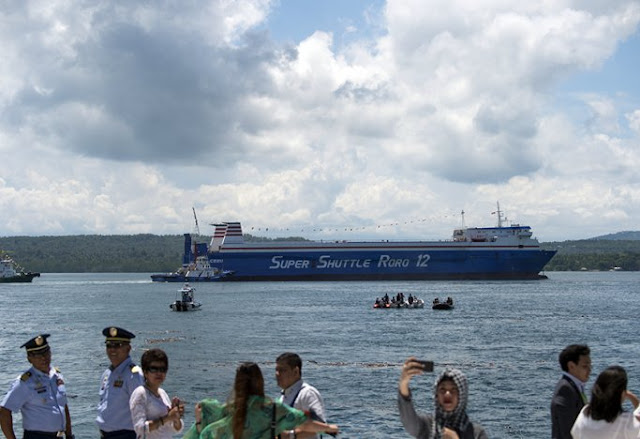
[(173, 277), (381, 264), (20, 278), (484, 253)]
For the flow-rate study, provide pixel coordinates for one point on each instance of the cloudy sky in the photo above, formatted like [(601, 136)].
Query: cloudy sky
[(350, 118)]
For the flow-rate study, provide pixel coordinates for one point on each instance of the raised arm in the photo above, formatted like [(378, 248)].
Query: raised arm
[(410, 368)]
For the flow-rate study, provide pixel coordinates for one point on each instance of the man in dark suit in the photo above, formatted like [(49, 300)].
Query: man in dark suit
[(569, 396)]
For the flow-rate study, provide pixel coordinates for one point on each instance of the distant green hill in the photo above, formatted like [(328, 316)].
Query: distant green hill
[(159, 253), (621, 236)]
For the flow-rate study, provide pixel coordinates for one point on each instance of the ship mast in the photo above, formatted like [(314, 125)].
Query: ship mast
[(499, 212)]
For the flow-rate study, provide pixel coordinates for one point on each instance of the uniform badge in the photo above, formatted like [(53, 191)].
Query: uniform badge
[(113, 332), (118, 383), (39, 340)]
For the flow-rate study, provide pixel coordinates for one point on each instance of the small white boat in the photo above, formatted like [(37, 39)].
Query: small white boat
[(416, 303), (184, 300)]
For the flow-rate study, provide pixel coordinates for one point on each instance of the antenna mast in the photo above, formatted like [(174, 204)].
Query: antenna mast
[(499, 213)]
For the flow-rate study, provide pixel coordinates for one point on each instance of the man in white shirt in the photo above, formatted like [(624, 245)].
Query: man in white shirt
[(296, 393)]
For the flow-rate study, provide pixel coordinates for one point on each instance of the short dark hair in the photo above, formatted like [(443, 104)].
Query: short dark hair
[(573, 353), (606, 394), (153, 356), (292, 360)]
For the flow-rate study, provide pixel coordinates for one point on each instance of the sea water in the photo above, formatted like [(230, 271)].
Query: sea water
[(505, 335)]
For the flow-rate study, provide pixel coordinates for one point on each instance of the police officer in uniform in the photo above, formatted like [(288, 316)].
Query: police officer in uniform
[(117, 384), (40, 395)]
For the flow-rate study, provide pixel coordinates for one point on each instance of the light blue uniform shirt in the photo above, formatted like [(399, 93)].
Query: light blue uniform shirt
[(41, 398), (116, 388)]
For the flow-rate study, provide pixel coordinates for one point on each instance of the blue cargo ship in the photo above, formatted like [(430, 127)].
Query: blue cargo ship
[(502, 252)]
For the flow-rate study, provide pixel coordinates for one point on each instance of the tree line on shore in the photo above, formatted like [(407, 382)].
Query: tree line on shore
[(147, 253)]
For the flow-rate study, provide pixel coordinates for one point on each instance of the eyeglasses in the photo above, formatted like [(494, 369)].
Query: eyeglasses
[(115, 345), (157, 369)]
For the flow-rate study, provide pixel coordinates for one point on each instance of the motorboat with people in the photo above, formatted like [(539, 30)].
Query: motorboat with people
[(398, 301), (442, 304), (184, 300)]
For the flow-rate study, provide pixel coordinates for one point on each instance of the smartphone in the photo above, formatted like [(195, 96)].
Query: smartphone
[(427, 366)]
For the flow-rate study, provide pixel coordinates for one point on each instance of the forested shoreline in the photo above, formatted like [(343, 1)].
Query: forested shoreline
[(147, 253)]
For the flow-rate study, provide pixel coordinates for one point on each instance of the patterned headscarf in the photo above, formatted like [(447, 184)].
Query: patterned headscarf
[(457, 419)]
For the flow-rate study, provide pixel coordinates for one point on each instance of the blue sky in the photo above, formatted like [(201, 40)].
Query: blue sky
[(386, 118), (616, 74), (293, 21)]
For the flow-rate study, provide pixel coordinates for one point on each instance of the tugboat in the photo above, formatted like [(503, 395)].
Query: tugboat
[(12, 272), (199, 271), (184, 300), (439, 304)]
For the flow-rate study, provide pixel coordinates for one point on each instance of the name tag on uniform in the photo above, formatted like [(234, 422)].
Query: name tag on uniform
[(118, 383), (41, 389)]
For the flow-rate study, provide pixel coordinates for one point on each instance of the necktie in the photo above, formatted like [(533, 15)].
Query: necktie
[(584, 396)]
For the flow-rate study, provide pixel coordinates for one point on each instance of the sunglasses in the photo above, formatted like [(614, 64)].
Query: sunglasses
[(157, 369), (115, 345)]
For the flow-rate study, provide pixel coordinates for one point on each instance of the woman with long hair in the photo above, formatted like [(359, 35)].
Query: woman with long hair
[(604, 417), (249, 414)]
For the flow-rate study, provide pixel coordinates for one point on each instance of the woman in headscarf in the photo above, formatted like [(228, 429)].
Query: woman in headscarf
[(603, 417), (449, 419), (249, 414)]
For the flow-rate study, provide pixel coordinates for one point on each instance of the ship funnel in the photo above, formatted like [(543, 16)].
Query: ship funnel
[(218, 237), (234, 234)]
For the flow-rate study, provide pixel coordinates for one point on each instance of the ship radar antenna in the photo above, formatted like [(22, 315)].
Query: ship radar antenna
[(197, 227), (501, 218), (462, 219)]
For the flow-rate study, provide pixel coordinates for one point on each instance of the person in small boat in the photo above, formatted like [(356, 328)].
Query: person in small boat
[(449, 419), (436, 301), (604, 417), (410, 300), (449, 301)]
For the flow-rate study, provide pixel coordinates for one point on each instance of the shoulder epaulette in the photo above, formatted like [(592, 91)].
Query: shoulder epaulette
[(134, 368), (56, 369), (25, 376)]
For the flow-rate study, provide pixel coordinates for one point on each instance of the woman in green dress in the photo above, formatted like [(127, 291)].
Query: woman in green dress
[(250, 415)]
